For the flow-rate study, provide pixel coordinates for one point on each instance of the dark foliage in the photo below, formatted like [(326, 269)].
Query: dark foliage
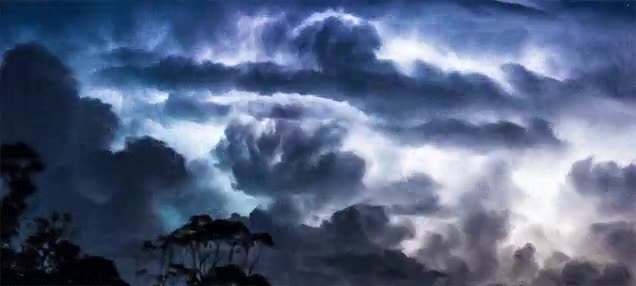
[(203, 252), (45, 255), (18, 163)]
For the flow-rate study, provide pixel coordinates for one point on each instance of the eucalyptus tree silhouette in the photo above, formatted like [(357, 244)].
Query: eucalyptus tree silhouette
[(18, 164), (45, 256), (202, 253)]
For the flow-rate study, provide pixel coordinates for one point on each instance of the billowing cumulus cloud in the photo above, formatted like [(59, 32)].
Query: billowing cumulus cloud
[(356, 245), (126, 192), (41, 106), (119, 190), (415, 195), (334, 44), (524, 265), (290, 160), (380, 143), (618, 238), (614, 186)]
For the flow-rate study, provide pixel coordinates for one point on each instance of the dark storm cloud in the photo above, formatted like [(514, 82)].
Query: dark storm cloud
[(414, 195), (173, 72), (39, 100), (568, 272), (548, 96), (618, 239), (493, 7), (524, 266), (144, 163), (69, 27), (437, 248), (543, 94), (190, 108), (119, 191), (335, 46), (484, 230), (473, 251), (358, 245), (486, 136), (359, 227), (322, 48), (578, 272), (126, 196), (382, 89), (612, 185), (327, 45), (614, 79), (468, 252), (389, 267), (96, 125), (500, 28), (290, 160), (354, 247), (468, 255), (371, 8), (440, 252), (131, 56), (127, 186), (469, 26), (278, 111), (40, 106), (619, 9), (448, 22), (125, 191)]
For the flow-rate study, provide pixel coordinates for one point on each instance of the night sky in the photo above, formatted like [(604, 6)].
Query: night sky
[(493, 141)]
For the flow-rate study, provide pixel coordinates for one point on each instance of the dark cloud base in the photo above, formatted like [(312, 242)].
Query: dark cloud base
[(483, 137), (612, 185)]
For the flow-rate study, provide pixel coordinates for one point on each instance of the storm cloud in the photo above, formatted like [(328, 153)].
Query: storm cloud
[(612, 185), (323, 47), (342, 250), (503, 134), (379, 143), (289, 160)]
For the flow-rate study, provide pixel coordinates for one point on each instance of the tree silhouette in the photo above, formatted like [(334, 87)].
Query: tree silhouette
[(45, 256), (18, 164), (202, 252)]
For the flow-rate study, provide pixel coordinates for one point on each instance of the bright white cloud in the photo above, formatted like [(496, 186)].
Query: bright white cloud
[(405, 48), (246, 45), (321, 16)]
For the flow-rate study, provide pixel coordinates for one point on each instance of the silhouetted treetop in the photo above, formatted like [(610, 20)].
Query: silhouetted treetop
[(203, 252), (18, 163)]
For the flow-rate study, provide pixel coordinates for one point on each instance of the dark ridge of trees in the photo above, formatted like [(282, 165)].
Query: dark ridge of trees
[(207, 251), (45, 256)]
